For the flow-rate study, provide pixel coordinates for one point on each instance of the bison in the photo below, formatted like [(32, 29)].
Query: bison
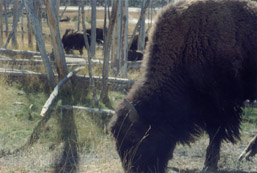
[(135, 42), (134, 55), (199, 66), (73, 40), (99, 35)]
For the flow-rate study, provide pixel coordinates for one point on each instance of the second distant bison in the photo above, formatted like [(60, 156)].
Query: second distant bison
[(135, 42), (73, 40), (99, 35), (134, 55)]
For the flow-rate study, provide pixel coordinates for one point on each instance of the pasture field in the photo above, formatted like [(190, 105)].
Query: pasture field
[(20, 107), (95, 146)]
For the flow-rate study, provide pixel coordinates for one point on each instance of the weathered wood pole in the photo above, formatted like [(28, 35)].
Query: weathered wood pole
[(53, 23), (6, 17), (93, 28), (92, 82), (1, 23), (105, 72), (40, 40), (15, 19), (124, 40)]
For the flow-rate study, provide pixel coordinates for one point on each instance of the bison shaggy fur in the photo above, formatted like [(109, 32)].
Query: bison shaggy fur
[(73, 40), (199, 66)]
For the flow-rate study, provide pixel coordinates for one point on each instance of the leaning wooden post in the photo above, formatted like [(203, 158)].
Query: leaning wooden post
[(16, 16), (141, 37), (30, 33), (14, 26), (138, 23), (53, 23), (104, 92), (1, 23), (40, 40), (37, 9)]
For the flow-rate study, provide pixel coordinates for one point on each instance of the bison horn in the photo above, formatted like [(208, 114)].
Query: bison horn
[(133, 115)]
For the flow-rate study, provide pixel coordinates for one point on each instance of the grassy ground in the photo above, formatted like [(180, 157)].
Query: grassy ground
[(95, 147)]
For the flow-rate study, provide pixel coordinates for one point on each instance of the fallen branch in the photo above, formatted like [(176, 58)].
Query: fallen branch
[(115, 84), (69, 60), (56, 90), (87, 109), (20, 53), (250, 150)]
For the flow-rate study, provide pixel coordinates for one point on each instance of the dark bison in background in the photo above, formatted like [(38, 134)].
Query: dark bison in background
[(134, 55), (199, 66), (99, 35), (135, 41), (73, 40)]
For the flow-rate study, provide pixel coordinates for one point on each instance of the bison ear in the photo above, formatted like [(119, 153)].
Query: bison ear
[(133, 115)]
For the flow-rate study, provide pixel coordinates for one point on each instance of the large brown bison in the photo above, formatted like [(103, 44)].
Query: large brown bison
[(73, 40), (199, 66)]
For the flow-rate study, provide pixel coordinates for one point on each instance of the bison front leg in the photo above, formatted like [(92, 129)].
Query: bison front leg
[(213, 150)]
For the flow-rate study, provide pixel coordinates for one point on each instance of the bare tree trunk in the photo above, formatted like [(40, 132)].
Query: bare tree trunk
[(124, 34), (106, 4), (93, 28), (15, 18), (22, 28), (30, 32), (40, 40), (64, 10), (37, 8), (6, 17), (14, 26), (105, 72), (116, 42), (92, 82), (141, 38), (56, 38), (78, 27), (139, 21), (1, 23), (57, 6)]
